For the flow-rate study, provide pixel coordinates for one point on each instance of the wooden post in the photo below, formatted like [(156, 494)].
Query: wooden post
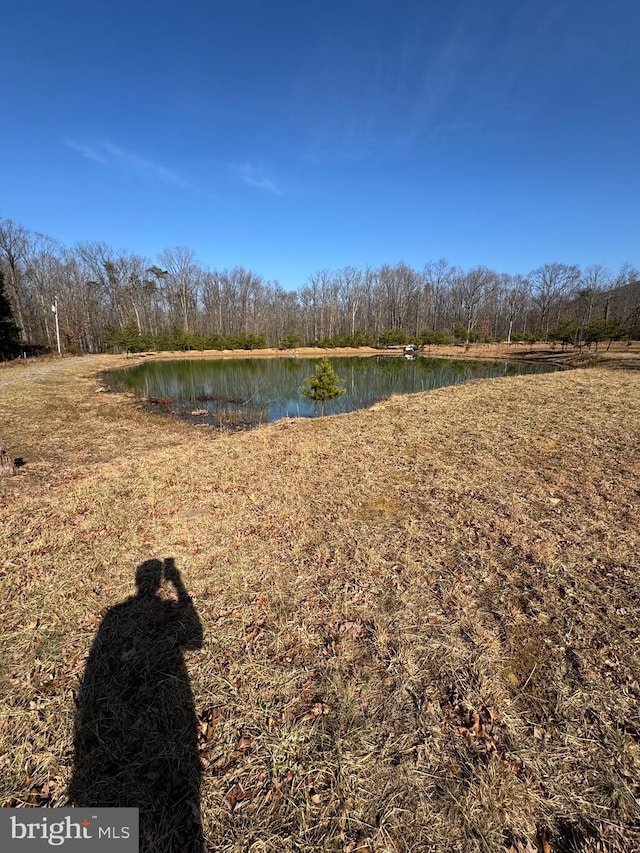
[(7, 465)]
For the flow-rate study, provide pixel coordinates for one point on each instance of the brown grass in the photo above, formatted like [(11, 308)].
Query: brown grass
[(420, 621)]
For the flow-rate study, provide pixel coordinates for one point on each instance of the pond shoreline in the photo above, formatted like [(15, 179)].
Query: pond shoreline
[(620, 355), (247, 392)]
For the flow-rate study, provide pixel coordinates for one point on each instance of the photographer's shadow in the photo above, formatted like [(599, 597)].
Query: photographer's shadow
[(136, 737)]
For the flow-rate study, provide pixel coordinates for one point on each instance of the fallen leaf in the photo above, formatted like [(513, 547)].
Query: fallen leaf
[(318, 710), (245, 744), (352, 628), (234, 795)]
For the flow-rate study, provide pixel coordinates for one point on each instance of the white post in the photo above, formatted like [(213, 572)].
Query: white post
[(54, 308)]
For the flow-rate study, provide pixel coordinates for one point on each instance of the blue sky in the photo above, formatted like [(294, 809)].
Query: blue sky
[(289, 137)]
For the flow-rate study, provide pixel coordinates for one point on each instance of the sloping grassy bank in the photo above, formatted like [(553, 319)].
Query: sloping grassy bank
[(420, 622)]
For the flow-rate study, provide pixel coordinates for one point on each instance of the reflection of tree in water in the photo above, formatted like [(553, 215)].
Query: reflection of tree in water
[(136, 728)]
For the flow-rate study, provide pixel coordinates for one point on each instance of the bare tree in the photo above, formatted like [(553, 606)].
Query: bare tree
[(472, 290), (351, 290), (315, 297), (44, 273), (549, 284), (438, 281), (590, 295), (515, 300), (181, 282), (100, 289)]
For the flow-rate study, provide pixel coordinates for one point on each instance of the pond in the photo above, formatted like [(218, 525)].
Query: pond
[(246, 392)]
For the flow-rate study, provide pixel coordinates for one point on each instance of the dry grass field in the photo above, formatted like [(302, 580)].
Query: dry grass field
[(411, 628)]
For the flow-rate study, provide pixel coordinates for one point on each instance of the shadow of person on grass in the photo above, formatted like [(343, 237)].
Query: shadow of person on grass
[(136, 739)]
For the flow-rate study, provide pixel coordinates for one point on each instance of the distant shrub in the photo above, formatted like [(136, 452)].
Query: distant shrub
[(429, 338), (246, 341), (523, 338), (392, 338), (291, 342), (328, 342), (128, 339), (216, 342), (358, 339), (462, 335)]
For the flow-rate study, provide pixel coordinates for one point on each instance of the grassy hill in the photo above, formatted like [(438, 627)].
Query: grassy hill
[(419, 622)]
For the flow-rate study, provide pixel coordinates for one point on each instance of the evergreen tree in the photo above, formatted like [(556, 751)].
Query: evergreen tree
[(566, 331), (325, 384), (602, 330), (9, 332)]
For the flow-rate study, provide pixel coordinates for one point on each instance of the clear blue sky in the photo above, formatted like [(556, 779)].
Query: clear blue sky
[(290, 137)]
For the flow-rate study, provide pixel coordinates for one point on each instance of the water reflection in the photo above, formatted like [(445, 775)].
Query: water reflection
[(246, 392)]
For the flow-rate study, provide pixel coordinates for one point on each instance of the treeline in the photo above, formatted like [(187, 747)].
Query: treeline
[(110, 298)]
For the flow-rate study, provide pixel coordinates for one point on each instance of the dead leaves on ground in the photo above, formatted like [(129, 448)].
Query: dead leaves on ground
[(247, 785), (352, 628), (256, 790), (259, 789), (319, 709), (215, 756), (483, 731), (541, 844), (38, 790)]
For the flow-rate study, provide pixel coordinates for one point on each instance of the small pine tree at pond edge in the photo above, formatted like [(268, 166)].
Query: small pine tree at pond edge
[(325, 384)]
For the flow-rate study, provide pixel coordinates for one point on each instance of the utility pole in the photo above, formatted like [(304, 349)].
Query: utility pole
[(54, 308)]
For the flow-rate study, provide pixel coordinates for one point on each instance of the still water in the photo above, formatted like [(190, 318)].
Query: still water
[(239, 393)]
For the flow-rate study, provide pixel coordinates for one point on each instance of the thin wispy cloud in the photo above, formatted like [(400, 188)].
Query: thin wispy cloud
[(89, 152), (111, 156), (256, 175)]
